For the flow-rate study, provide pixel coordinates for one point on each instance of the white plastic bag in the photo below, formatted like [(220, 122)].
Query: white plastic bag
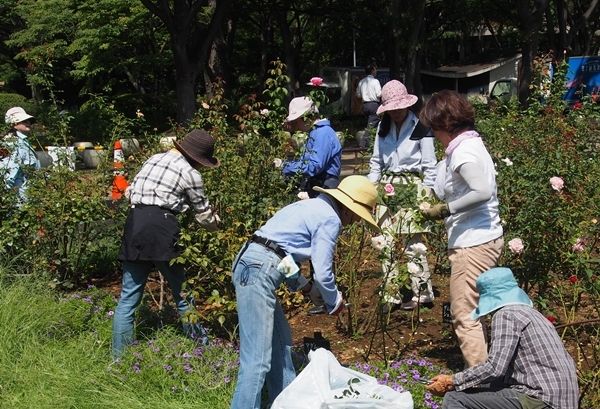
[(325, 384)]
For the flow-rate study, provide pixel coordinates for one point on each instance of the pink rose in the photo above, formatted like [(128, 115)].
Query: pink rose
[(579, 245), (389, 189), (516, 246), (557, 183), (316, 81)]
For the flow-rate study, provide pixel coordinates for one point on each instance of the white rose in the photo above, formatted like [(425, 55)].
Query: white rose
[(303, 195), (424, 206), (419, 248)]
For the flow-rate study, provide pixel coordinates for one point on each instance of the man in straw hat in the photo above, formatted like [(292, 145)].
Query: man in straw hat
[(321, 160), (306, 229), (16, 154), (167, 184), (528, 366)]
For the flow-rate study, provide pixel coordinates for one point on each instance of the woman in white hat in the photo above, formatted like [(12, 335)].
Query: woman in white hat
[(17, 154), (408, 165), (321, 160), (306, 229)]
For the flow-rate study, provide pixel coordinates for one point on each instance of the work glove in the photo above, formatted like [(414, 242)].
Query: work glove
[(209, 220), (435, 212), (440, 384)]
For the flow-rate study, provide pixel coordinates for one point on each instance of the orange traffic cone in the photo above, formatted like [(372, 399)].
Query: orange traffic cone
[(119, 181)]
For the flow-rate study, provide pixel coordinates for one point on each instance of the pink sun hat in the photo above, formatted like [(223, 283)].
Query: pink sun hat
[(395, 96)]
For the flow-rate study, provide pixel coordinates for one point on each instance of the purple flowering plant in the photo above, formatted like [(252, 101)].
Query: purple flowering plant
[(406, 375)]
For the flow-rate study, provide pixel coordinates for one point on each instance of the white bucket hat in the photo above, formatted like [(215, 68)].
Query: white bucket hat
[(300, 106), (16, 115)]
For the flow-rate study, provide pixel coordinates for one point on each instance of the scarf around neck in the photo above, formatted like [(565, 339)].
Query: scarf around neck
[(459, 139)]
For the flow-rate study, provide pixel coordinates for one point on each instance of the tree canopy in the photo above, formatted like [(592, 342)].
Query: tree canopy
[(167, 52)]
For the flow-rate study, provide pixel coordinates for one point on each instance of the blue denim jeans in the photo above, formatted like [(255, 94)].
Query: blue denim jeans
[(135, 274), (265, 338)]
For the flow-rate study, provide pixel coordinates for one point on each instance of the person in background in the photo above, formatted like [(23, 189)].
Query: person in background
[(167, 184), (466, 182), (321, 160), (305, 229), (527, 367), (369, 90), (17, 157), (409, 165)]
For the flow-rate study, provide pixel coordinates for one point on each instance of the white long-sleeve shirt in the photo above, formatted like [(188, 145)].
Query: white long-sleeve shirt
[(396, 153)]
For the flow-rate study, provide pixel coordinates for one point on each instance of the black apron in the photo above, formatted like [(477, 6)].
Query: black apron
[(151, 234)]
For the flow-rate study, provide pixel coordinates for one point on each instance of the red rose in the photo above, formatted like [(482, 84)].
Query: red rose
[(551, 318), (573, 279)]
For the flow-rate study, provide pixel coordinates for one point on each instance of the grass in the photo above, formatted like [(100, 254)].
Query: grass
[(55, 353)]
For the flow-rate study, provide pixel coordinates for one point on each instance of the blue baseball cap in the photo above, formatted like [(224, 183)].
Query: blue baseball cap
[(498, 288)]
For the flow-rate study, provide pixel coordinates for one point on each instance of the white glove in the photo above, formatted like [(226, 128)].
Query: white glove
[(209, 220)]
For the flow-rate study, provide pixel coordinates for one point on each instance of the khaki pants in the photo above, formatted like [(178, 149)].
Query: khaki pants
[(467, 264)]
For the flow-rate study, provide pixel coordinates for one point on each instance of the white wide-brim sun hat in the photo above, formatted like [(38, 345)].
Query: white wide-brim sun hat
[(16, 115), (300, 106)]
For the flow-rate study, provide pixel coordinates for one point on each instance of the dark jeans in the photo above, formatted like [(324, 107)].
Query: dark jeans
[(370, 110), (491, 399)]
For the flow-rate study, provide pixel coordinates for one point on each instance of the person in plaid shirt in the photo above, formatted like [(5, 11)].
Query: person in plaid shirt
[(167, 184), (527, 366)]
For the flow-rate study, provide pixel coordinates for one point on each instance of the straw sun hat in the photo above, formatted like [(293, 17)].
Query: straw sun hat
[(498, 288), (356, 193), (395, 96)]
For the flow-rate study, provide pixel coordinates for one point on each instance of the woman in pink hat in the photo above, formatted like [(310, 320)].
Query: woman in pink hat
[(404, 167)]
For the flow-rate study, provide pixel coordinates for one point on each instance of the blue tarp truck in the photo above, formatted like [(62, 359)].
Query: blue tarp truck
[(583, 77)]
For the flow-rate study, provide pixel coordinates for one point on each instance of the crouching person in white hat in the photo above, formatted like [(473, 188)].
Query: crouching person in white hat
[(306, 229), (16, 154), (527, 366)]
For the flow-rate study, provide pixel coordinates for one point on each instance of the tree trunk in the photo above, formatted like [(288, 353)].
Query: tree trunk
[(191, 42), (530, 21), (395, 18), (288, 50), (412, 78), (185, 88)]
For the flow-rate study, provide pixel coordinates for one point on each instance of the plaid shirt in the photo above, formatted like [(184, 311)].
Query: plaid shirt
[(528, 355), (169, 181)]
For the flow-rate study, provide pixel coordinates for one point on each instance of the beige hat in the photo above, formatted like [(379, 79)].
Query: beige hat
[(16, 115), (300, 106), (358, 194)]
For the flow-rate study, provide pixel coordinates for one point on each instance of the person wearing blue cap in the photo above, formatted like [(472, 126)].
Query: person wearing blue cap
[(527, 367)]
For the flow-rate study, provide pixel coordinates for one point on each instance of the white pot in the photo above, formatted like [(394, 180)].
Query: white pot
[(62, 156)]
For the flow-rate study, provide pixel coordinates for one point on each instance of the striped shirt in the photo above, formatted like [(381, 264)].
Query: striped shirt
[(528, 355), (169, 181)]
